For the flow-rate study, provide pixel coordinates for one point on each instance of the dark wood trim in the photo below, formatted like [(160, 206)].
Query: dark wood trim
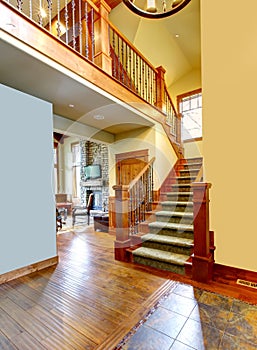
[(189, 93), (229, 275), (8, 276), (202, 258), (112, 341), (143, 153), (193, 140)]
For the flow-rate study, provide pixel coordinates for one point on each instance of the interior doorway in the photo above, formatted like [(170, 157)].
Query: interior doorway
[(129, 165)]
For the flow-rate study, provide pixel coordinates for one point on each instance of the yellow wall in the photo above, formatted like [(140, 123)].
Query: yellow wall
[(229, 77), (193, 149), (188, 82), (153, 139)]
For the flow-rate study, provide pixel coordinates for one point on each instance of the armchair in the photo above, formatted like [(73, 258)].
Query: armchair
[(83, 210)]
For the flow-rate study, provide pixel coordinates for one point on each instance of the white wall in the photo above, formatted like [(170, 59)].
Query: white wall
[(229, 75), (27, 232)]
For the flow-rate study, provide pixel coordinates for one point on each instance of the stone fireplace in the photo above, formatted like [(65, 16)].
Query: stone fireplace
[(94, 153)]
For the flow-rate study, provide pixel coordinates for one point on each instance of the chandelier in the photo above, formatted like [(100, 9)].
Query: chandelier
[(155, 8)]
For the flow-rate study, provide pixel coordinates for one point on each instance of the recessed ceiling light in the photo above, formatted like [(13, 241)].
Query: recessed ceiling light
[(71, 105), (176, 35), (98, 117)]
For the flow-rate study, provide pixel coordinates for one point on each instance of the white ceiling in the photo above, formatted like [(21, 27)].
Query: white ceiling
[(154, 38)]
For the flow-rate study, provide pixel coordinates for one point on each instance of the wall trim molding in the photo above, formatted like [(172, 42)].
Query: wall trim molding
[(8, 276), (229, 275)]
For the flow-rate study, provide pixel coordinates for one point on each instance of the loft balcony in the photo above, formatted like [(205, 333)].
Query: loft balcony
[(53, 54)]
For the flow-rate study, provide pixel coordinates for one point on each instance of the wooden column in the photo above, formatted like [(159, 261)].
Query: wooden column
[(160, 86), (122, 241), (202, 259), (102, 46)]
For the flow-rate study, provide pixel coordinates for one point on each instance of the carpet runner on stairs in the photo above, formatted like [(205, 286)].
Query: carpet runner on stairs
[(170, 238)]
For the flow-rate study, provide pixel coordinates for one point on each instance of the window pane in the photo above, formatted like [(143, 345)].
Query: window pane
[(191, 109)]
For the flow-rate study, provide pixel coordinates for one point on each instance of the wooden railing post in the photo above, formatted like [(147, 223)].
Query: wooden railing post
[(160, 87), (102, 49), (202, 258), (122, 241)]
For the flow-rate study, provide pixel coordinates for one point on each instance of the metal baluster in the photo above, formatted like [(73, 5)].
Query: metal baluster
[(145, 80), (127, 74), (137, 74), (80, 28), (66, 17), (118, 55), (40, 19), (58, 26), (130, 68), (130, 213), (87, 31), (114, 54), (49, 5), (73, 24), (30, 9), (19, 5), (93, 34), (122, 59)]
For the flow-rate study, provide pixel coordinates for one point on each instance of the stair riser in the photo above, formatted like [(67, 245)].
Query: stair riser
[(178, 208), (185, 181), (160, 265), (187, 172), (168, 248), (171, 232), (181, 188)]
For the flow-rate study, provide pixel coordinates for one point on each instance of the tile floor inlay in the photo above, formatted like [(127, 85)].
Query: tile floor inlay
[(189, 318)]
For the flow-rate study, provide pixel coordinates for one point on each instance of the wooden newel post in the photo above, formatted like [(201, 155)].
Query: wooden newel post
[(102, 44), (122, 241), (160, 85), (202, 258)]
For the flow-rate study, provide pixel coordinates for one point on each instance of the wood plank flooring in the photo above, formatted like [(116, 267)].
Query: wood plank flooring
[(89, 301)]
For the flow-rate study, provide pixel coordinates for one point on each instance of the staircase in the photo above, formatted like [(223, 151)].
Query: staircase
[(168, 240)]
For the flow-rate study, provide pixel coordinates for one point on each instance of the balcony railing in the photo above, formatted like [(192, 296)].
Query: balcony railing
[(84, 26)]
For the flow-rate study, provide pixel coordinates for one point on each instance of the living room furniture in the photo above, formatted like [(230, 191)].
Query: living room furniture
[(63, 201), (101, 222), (83, 211)]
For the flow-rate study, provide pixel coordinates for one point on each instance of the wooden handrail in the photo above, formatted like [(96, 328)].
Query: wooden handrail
[(136, 179), (89, 37), (132, 46), (93, 5)]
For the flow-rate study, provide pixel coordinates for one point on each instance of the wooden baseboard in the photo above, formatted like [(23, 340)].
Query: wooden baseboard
[(8, 276), (229, 275)]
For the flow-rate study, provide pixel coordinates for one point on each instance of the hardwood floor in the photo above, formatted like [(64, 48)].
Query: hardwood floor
[(88, 298), (89, 301)]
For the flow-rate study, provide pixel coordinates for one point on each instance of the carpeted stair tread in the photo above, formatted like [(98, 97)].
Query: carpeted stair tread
[(169, 225), (179, 193), (173, 203), (186, 177), (161, 255), (174, 213), (181, 242)]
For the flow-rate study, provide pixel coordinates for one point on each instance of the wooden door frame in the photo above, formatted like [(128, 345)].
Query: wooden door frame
[(139, 154)]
